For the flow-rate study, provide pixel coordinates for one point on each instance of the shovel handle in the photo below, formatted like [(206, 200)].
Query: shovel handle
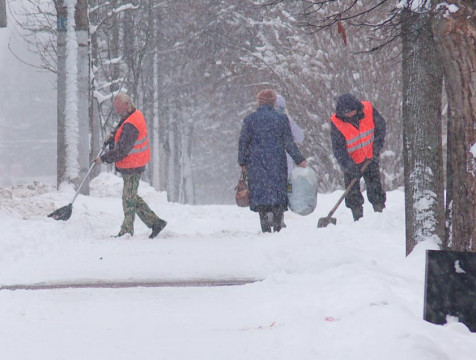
[(347, 191), (87, 174)]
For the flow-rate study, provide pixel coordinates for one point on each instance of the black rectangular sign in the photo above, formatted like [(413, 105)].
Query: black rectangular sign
[(450, 287)]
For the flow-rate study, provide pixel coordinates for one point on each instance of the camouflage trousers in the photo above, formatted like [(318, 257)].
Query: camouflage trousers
[(133, 204)]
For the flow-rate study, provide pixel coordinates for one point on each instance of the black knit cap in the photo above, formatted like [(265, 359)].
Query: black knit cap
[(347, 103)]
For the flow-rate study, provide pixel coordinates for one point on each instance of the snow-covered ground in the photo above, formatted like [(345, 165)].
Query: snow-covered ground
[(337, 293)]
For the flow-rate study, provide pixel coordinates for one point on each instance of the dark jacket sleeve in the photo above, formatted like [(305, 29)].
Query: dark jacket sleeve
[(244, 143), (339, 148), (125, 144), (380, 132)]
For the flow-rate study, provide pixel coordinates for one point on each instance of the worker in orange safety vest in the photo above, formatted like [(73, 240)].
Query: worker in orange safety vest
[(130, 151), (357, 134)]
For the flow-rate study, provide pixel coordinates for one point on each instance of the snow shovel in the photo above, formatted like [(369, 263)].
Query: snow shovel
[(323, 222), (64, 213)]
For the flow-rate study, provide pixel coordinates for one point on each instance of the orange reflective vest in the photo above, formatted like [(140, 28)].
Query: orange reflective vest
[(359, 141), (140, 154)]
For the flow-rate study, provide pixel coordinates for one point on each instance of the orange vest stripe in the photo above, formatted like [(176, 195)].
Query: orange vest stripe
[(359, 141), (140, 145), (139, 155)]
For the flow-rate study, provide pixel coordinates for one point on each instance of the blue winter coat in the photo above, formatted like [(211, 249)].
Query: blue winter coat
[(264, 140)]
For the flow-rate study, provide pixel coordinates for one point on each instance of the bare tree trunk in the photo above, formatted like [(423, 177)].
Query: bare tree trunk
[(160, 163), (94, 122), (71, 105), (172, 162), (115, 51), (422, 129), (129, 50), (456, 40), (82, 34), (155, 150), (156, 147), (3, 14), (187, 191), (161, 137), (61, 15)]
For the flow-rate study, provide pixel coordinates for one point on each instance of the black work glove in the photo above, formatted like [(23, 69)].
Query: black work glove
[(109, 139)]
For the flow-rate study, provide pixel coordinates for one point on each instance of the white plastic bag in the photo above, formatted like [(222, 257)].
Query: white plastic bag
[(302, 194)]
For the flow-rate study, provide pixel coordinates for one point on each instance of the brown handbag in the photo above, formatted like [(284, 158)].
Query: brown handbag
[(242, 196)]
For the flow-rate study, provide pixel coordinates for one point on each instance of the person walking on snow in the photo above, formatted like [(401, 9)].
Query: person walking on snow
[(357, 134), (264, 140), (130, 151)]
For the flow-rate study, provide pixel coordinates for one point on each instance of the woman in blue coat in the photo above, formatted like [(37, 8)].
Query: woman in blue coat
[(264, 140)]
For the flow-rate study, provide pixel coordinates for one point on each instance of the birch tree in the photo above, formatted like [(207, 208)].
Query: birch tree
[(94, 120), (72, 171), (72, 64), (61, 159), (83, 92)]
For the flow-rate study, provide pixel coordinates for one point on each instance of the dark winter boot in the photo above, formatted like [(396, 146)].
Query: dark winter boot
[(357, 212), (270, 218), (158, 227), (277, 219), (264, 220), (379, 207)]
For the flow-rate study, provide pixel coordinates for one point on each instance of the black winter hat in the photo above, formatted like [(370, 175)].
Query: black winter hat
[(347, 103)]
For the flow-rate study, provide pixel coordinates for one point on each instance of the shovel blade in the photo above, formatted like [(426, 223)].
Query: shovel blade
[(323, 222), (63, 213)]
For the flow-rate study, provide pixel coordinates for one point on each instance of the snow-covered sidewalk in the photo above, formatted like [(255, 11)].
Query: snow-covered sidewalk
[(341, 292)]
